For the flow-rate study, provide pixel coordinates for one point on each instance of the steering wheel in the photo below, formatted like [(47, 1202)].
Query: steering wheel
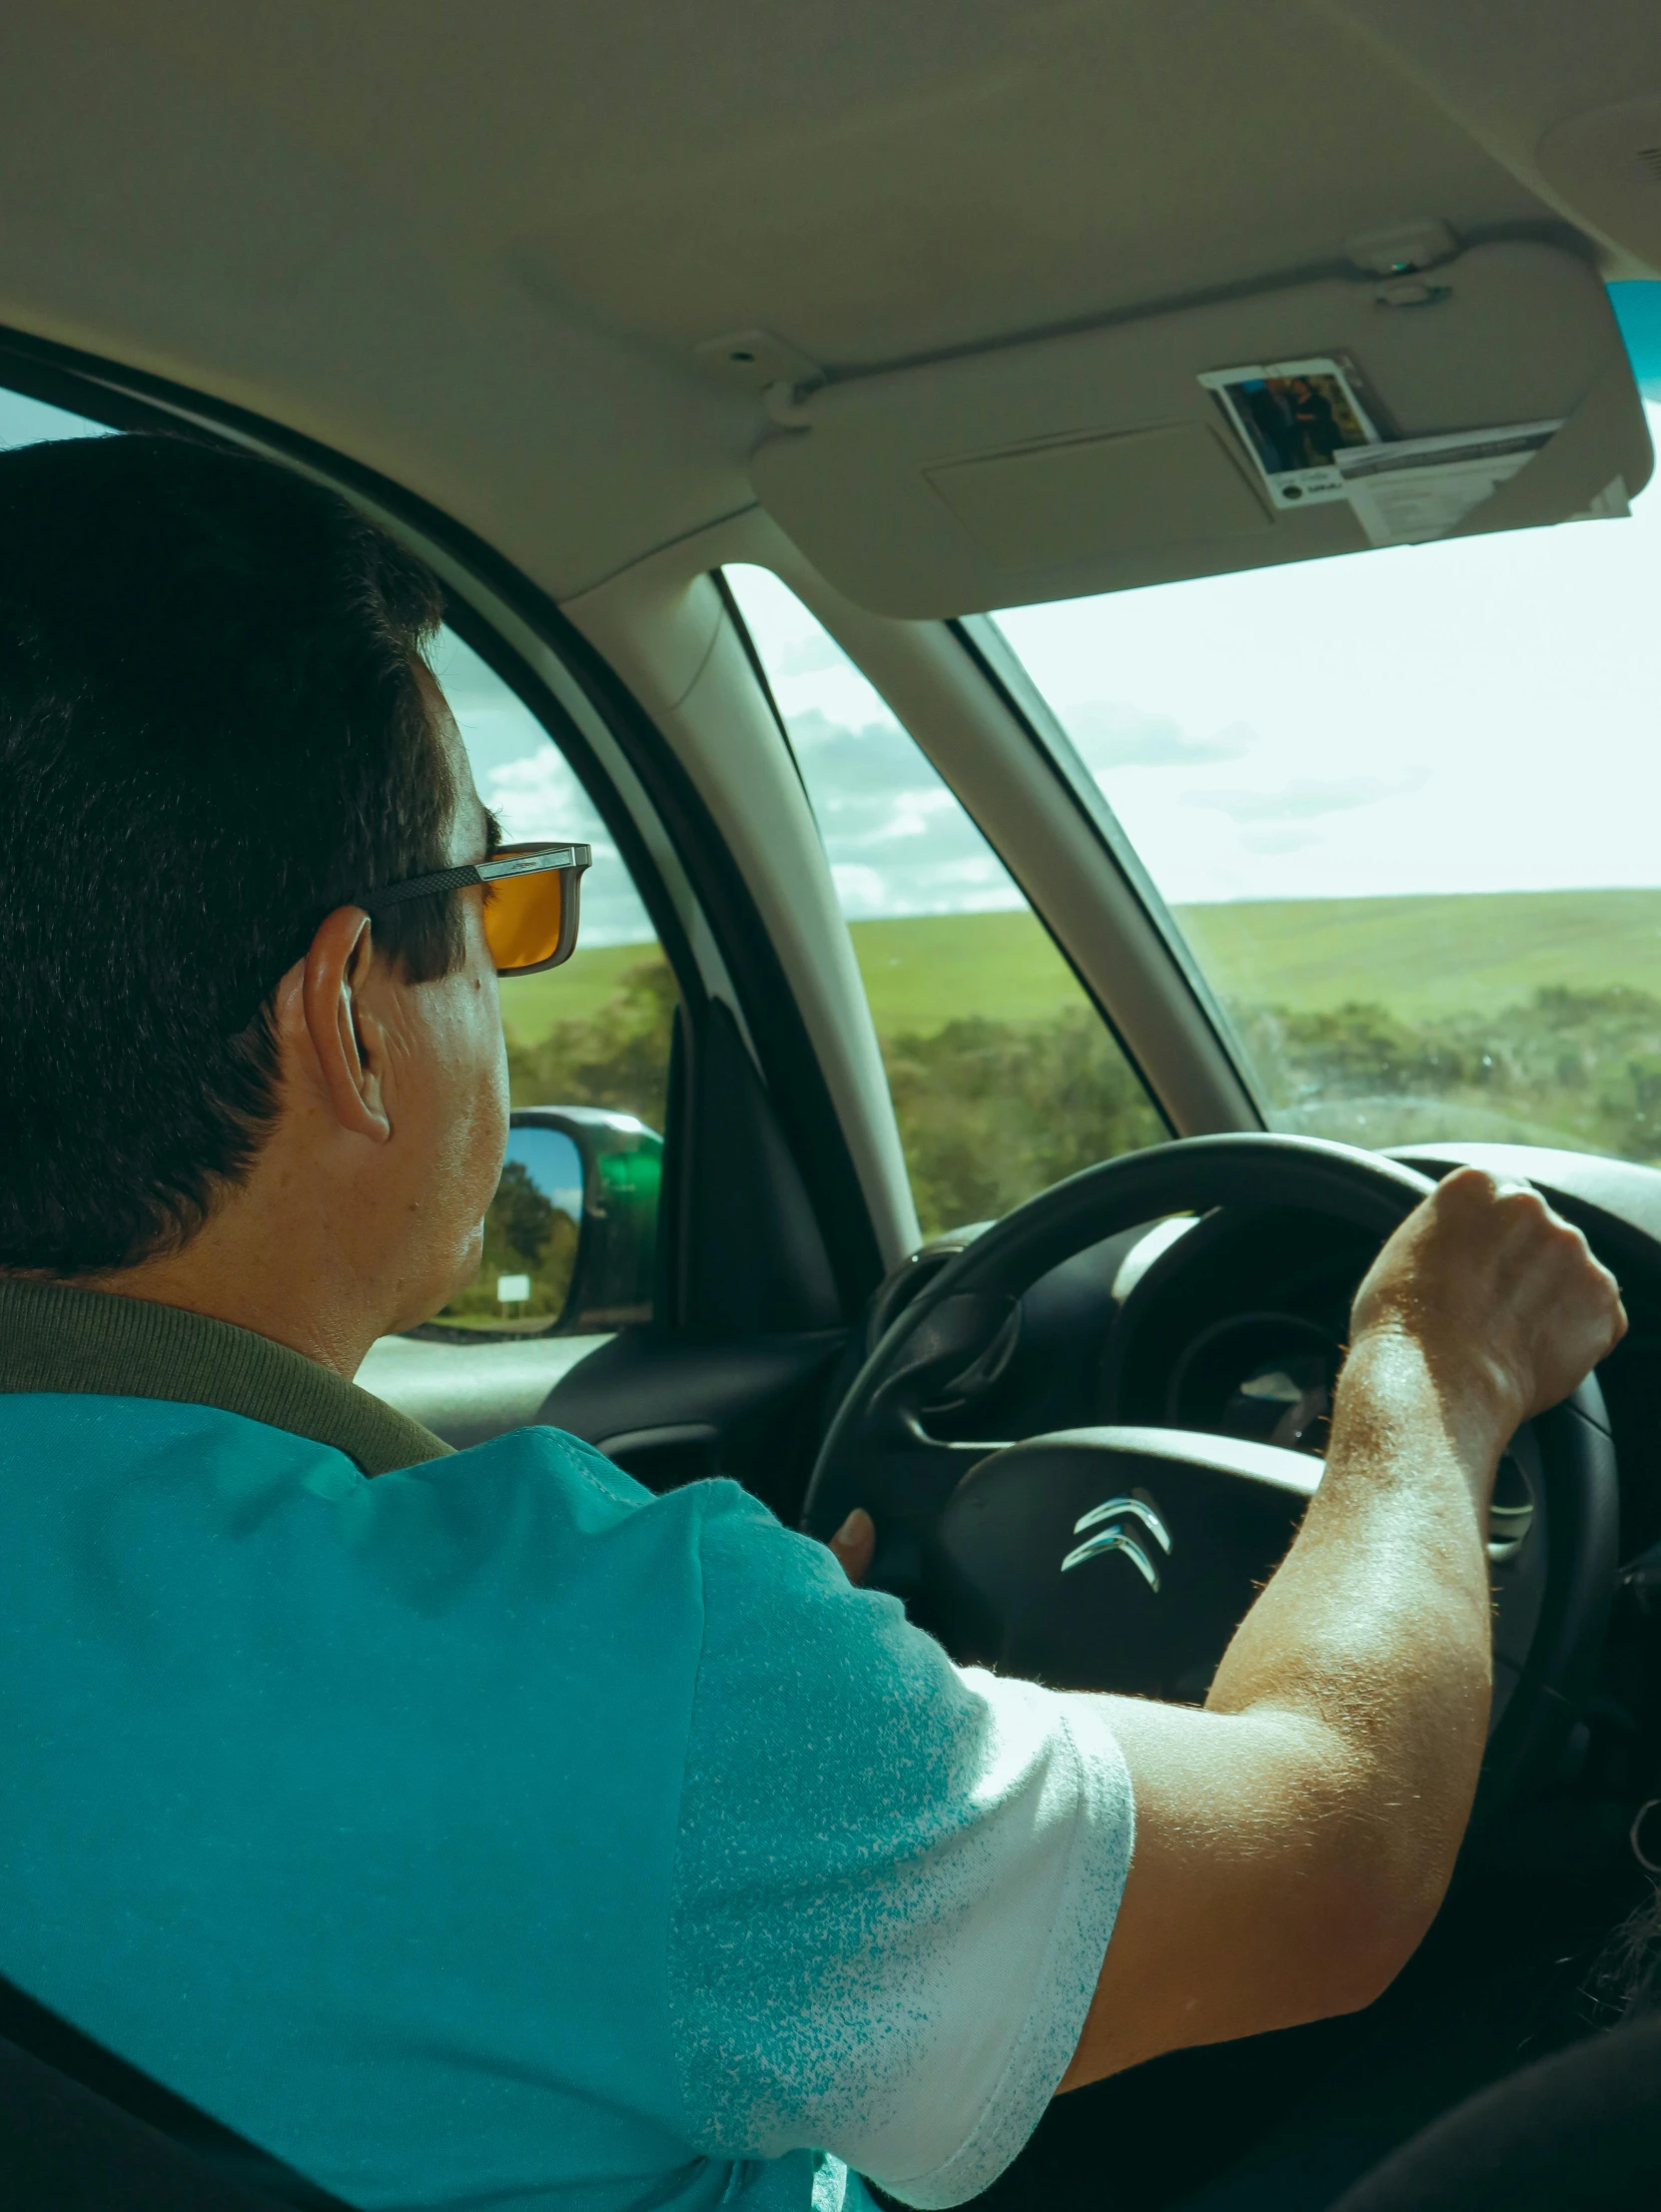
[(1125, 1558)]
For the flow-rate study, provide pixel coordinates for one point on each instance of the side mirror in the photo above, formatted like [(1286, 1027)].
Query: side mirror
[(614, 1268), (571, 1240)]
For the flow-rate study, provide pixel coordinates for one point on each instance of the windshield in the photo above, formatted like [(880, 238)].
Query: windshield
[(1405, 808)]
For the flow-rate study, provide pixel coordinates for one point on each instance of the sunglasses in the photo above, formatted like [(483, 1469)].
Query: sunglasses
[(531, 902)]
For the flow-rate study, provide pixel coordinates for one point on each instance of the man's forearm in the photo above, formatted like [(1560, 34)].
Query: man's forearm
[(1376, 1629), (1295, 1838)]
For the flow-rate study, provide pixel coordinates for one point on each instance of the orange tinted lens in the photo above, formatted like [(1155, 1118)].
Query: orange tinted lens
[(522, 914)]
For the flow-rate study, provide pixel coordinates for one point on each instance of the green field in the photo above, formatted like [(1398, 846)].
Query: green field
[(588, 982), (1533, 1017), (1427, 958), (924, 972), (1422, 958), (920, 975)]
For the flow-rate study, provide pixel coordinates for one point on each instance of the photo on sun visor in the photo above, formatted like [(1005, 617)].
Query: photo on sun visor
[(1294, 417)]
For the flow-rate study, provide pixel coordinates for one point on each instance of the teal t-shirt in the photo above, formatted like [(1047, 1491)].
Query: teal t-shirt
[(494, 1833)]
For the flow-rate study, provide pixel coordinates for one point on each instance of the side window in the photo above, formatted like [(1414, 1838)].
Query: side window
[(569, 1240), (1004, 1076)]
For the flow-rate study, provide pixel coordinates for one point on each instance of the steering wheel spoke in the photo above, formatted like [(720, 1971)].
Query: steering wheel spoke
[(920, 1475)]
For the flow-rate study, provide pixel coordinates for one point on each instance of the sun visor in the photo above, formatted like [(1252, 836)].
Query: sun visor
[(1098, 461)]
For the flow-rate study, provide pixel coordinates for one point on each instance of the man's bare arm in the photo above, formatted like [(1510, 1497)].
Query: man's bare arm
[(1295, 1838)]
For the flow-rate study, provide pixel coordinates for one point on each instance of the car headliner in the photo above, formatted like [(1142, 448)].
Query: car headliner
[(475, 249)]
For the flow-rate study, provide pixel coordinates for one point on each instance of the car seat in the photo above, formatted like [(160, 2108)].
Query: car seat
[(83, 2131), (1572, 2132)]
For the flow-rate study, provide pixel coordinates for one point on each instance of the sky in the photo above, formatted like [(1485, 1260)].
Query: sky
[(1479, 715), (26, 421)]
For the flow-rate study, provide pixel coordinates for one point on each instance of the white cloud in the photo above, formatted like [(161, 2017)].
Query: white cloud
[(1308, 797), (807, 657), (1111, 733)]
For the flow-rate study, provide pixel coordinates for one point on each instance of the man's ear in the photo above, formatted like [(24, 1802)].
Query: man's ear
[(347, 1041)]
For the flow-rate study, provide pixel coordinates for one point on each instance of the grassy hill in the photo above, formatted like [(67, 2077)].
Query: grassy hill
[(588, 982), (920, 973), (1428, 957), (928, 970), (1421, 957), (1533, 1015)]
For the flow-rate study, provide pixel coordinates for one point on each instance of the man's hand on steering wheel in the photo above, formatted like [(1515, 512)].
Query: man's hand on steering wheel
[(1499, 1296)]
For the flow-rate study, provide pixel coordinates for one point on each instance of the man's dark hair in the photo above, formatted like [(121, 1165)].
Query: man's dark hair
[(212, 733)]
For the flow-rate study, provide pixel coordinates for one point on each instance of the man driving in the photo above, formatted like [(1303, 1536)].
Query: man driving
[(478, 1828)]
